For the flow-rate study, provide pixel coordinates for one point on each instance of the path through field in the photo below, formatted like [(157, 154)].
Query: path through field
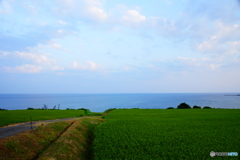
[(13, 129)]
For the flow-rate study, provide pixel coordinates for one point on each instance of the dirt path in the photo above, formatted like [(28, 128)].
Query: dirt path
[(10, 130)]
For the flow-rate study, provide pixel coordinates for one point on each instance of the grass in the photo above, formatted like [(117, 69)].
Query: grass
[(167, 134), (16, 116), (75, 143), (70, 139), (29, 144)]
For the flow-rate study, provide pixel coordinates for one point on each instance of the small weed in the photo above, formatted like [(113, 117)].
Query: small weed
[(12, 145)]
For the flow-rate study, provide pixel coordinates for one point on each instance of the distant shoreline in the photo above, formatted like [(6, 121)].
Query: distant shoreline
[(232, 95)]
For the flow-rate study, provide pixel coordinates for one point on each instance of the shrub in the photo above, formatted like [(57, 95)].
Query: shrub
[(82, 109), (108, 110), (30, 109), (196, 107), (170, 108), (87, 112), (207, 107), (183, 106)]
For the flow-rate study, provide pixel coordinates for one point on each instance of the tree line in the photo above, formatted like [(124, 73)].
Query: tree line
[(187, 106)]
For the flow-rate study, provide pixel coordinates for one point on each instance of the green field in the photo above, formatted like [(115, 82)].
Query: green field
[(16, 116), (159, 134)]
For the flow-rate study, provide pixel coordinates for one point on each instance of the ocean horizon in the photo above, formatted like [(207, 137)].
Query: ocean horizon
[(99, 102)]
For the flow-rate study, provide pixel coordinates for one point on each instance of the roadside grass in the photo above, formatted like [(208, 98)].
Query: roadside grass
[(167, 134), (27, 145), (75, 143), (16, 116)]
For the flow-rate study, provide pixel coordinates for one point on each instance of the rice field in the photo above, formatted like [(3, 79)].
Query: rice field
[(159, 134)]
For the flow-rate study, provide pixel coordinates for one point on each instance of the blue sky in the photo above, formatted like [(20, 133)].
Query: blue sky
[(103, 46)]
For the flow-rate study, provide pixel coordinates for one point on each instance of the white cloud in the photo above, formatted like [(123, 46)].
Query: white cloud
[(57, 46), (75, 65), (62, 22), (30, 8), (168, 2), (40, 59), (89, 65), (224, 40), (2, 54), (94, 10), (128, 68), (27, 68), (133, 17), (208, 45), (185, 64), (165, 27), (214, 66), (89, 9), (234, 47), (56, 68), (191, 62), (92, 65)]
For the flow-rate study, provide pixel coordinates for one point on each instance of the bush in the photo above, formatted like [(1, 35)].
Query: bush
[(1, 109), (30, 109), (196, 107), (207, 107), (82, 109), (170, 108), (87, 112), (184, 106), (108, 110)]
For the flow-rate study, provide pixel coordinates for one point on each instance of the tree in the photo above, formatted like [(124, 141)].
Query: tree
[(207, 107), (196, 107), (183, 106)]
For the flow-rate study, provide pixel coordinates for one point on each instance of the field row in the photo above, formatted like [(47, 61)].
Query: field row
[(167, 134)]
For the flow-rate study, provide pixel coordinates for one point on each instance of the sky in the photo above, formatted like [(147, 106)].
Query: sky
[(120, 46)]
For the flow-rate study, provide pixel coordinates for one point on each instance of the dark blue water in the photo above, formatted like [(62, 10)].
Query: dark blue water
[(101, 102)]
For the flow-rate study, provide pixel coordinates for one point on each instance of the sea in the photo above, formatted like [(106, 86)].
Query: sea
[(102, 102)]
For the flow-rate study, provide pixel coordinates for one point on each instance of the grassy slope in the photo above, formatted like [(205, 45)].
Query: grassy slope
[(68, 143), (16, 116), (75, 143), (28, 144), (166, 134)]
